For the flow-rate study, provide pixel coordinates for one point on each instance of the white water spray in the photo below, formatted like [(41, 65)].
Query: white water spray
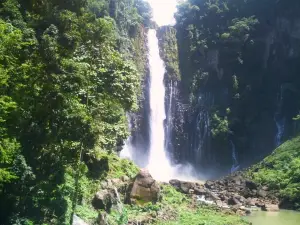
[(159, 164)]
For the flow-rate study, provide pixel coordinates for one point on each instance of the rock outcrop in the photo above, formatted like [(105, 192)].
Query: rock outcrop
[(144, 189)]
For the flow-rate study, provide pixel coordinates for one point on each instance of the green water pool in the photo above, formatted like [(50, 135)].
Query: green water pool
[(283, 217)]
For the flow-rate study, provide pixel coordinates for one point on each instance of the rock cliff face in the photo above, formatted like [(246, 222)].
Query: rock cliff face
[(238, 90)]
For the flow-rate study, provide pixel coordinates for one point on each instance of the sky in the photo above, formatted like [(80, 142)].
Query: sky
[(163, 11)]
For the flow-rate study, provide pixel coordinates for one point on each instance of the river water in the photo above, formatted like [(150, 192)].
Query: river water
[(283, 217)]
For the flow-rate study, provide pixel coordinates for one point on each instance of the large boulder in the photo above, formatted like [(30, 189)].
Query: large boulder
[(144, 189)]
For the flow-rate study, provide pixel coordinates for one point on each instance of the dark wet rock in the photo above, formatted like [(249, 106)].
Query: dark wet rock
[(233, 201), (188, 187), (251, 185)]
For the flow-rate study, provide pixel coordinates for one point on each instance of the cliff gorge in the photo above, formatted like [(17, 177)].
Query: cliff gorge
[(238, 84)]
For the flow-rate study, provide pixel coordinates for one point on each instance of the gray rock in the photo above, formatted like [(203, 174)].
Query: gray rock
[(251, 201), (270, 208), (183, 186), (78, 221), (262, 193), (105, 199), (209, 184), (200, 191), (125, 178), (102, 219)]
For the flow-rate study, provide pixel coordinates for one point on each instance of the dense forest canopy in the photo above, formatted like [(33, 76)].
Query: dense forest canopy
[(69, 70)]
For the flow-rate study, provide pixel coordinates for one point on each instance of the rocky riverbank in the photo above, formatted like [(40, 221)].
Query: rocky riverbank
[(143, 200), (233, 192)]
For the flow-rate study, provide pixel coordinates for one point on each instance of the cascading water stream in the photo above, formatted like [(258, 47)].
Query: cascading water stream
[(159, 164), (235, 164), (279, 119), (127, 149)]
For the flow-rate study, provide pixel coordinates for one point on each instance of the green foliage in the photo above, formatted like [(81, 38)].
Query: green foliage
[(169, 51), (116, 218), (220, 126), (66, 84), (170, 196), (281, 171), (118, 167)]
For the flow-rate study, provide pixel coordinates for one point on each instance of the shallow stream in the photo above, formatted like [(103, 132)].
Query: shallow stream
[(283, 217)]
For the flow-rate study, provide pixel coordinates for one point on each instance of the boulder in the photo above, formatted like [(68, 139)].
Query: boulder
[(144, 189), (251, 185), (251, 201), (125, 178), (270, 208), (209, 184), (105, 199), (183, 186), (262, 193), (200, 191), (233, 201)]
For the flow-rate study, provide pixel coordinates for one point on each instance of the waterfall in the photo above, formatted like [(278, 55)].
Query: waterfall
[(159, 113), (128, 148), (169, 119), (235, 164), (159, 164), (279, 119), (200, 143)]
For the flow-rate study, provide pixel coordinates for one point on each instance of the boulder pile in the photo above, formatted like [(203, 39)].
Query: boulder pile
[(234, 192)]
